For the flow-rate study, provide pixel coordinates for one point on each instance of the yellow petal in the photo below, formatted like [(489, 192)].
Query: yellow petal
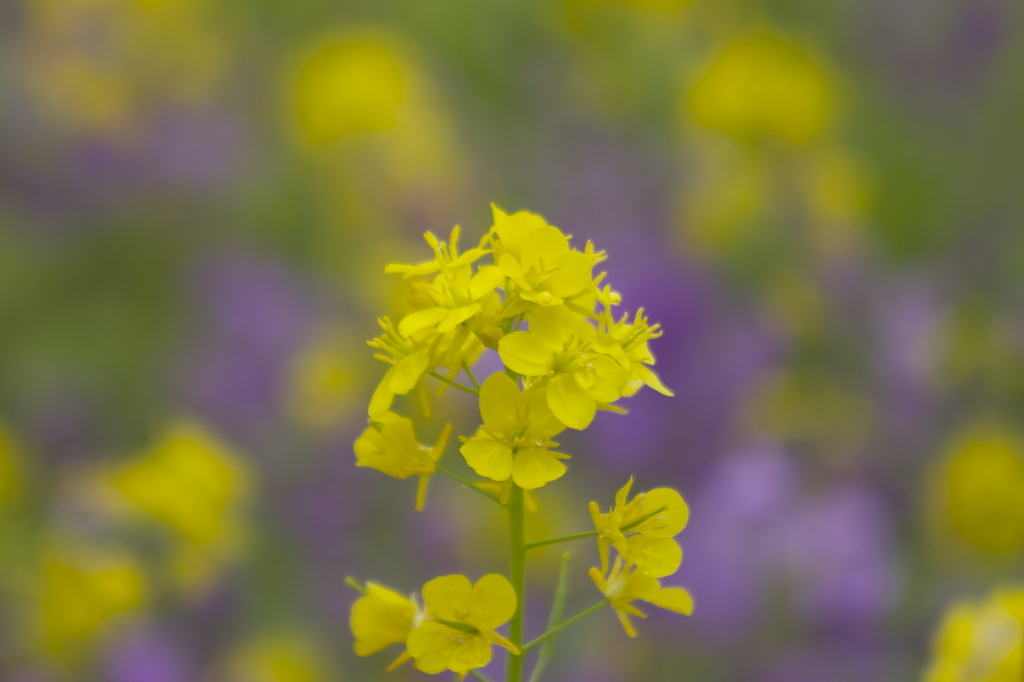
[(656, 557), (487, 279), (420, 320), (523, 352), (669, 522), (534, 468), (626, 625), (647, 375), (494, 638), (573, 406), (608, 379), (488, 458), (499, 398), (432, 646), (456, 317), (541, 421), (383, 396), (544, 250), (407, 372), (553, 325), (572, 276), (380, 618), (623, 494), (674, 599), (493, 602), (472, 652), (510, 268), (447, 594)]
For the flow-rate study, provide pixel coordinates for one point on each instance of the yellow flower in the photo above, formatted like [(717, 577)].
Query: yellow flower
[(641, 530), (537, 258), (567, 350), (191, 481), (623, 586), (462, 617), (514, 439), (381, 618), (389, 445), (82, 592), (457, 293), (635, 355), (764, 85), (278, 657), (976, 490), (981, 641)]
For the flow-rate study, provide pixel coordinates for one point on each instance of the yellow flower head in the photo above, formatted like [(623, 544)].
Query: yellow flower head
[(82, 592), (191, 481), (626, 585), (764, 85), (515, 436), (462, 617), (632, 351), (641, 529), (536, 257), (566, 350), (976, 490), (457, 294), (381, 618), (981, 641), (389, 445)]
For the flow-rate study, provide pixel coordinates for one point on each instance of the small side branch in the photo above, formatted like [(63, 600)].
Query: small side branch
[(564, 538), (454, 384), (558, 628), (557, 609), (469, 484)]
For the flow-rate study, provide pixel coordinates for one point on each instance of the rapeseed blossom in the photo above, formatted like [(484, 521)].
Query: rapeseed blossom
[(624, 585), (514, 440), (536, 302), (389, 445), (382, 617), (641, 530), (981, 641), (461, 622), (577, 363)]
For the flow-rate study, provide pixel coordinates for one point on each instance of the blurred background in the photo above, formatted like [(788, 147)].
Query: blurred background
[(819, 201)]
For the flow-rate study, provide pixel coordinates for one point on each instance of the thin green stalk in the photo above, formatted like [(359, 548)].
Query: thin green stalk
[(468, 483), (558, 628), (517, 576), (557, 609), (591, 533), (354, 584), (469, 373), (564, 538), (454, 384)]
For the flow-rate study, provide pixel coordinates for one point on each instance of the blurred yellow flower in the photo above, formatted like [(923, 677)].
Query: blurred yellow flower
[(382, 617), (981, 641), (641, 530), (390, 446), (195, 486), (976, 489), (83, 590), (348, 84), (191, 481), (764, 84), (624, 586), (279, 657), (514, 439), (462, 617), (323, 381)]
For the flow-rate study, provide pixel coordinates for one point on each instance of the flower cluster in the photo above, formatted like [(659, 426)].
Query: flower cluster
[(527, 293)]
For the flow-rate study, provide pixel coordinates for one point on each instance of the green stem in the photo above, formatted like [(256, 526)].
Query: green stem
[(354, 584), (454, 384), (564, 538), (558, 628), (468, 483), (517, 576), (591, 533), (557, 609), (469, 373)]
